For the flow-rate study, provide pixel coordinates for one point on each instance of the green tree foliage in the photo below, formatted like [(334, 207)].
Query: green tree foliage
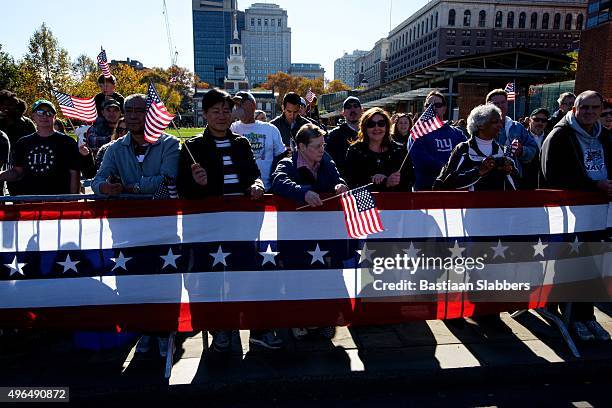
[(8, 71), (82, 67)]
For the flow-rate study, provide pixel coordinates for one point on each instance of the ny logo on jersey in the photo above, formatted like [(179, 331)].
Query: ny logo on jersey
[(444, 145)]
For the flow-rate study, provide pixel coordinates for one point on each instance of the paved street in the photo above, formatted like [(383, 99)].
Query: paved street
[(432, 362)]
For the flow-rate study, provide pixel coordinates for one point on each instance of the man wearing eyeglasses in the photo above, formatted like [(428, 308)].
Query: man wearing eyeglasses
[(536, 125), (576, 156), (431, 152), (47, 161), (566, 103), (606, 115), (339, 139)]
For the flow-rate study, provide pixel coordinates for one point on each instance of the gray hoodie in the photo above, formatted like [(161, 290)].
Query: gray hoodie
[(592, 149)]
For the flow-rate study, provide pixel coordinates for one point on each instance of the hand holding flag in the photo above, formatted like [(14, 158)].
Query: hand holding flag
[(158, 118)]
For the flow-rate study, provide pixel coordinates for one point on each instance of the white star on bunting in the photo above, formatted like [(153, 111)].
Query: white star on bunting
[(120, 262), (268, 256), (219, 256), (499, 250), (575, 246), (365, 254), (16, 267), (456, 251), (69, 264), (412, 252), (169, 259), (539, 248), (317, 255)]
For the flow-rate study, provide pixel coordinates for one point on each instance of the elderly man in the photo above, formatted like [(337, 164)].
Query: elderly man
[(46, 162), (431, 152), (513, 137), (339, 139), (265, 139), (566, 102), (576, 156), (290, 121), (132, 165)]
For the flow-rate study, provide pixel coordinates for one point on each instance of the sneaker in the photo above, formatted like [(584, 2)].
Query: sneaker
[(327, 332), (299, 332), (268, 340), (580, 330), (222, 341), (162, 342), (143, 345), (599, 332)]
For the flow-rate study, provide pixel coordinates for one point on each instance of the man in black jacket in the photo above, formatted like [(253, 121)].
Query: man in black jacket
[(566, 102), (339, 139), (576, 156), (290, 121)]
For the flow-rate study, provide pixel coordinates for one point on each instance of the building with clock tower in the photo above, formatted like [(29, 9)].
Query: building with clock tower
[(236, 79)]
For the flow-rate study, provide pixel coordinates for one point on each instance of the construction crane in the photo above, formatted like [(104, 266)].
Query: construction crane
[(171, 49)]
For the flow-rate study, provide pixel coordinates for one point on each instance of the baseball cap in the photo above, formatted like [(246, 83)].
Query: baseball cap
[(351, 99), (111, 102), (244, 96), (540, 110), (40, 102)]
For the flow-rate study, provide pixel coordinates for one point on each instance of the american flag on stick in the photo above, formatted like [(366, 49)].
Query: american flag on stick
[(360, 213), (427, 123), (310, 95), (158, 118), (76, 108), (103, 64), (510, 90)]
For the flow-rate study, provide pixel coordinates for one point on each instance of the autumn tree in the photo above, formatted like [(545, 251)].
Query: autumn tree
[(49, 62), (336, 86), (83, 66)]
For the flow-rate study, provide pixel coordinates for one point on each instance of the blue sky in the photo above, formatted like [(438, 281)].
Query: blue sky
[(321, 29)]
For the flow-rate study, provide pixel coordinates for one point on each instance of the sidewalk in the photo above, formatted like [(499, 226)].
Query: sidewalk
[(419, 354)]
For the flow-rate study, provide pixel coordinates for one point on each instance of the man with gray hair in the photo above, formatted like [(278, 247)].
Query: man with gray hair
[(566, 103), (576, 156)]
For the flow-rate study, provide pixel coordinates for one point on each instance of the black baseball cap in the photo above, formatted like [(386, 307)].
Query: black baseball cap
[(244, 96), (540, 110), (351, 99)]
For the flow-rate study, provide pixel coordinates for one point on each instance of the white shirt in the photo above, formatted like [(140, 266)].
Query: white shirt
[(485, 146), (266, 143)]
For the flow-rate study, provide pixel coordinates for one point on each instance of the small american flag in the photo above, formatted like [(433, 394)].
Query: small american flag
[(76, 108), (360, 212), (510, 91), (310, 95), (158, 118), (166, 190), (427, 123), (103, 63)]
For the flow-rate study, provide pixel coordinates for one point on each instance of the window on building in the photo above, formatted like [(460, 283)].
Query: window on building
[(423, 27), (279, 22), (436, 19), (579, 21), (273, 22), (252, 22), (557, 22), (568, 21), (545, 18), (467, 18), (431, 22), (482, 18), (266, 22), (499, 18), (534, 21), (451, 17), (522, 20), (510, 20), (259, 22)]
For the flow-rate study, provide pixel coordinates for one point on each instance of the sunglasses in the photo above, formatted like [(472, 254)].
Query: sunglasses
[(607, 113), (540, 120), (44, 113), (121, 130), (373, 123), (352, 106)]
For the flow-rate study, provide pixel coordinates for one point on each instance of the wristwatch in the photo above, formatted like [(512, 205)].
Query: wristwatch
[(136, 188)]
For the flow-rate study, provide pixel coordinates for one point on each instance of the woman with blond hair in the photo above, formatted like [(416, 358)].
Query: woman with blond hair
[(375, 158)]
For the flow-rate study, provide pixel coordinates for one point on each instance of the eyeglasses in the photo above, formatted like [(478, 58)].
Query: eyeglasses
[(540, 120), (121, 130), (44, 113), (318, 146), (371, 124), (606, 113), (352, 106), (438, 105)]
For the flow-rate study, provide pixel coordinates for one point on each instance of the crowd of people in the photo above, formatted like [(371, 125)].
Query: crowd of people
[(294, 155)]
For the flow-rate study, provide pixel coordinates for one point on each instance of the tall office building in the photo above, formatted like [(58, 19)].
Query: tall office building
[(267, 41), (212, 36), (344, 67)]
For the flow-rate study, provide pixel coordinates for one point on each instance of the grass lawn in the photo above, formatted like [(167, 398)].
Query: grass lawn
[(185, 133)]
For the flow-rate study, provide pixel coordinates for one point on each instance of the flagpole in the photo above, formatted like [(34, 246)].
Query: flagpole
[(184, 144), (515, 96), (332, 197)]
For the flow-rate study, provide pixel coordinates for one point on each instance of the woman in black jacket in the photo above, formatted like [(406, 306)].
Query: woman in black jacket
[(376, 158)]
